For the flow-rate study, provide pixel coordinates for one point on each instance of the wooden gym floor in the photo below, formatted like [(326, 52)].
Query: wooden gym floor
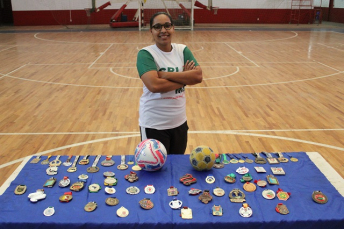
[(75, 92)]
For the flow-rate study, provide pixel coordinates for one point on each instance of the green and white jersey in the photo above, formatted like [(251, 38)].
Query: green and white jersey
[(162, 111)]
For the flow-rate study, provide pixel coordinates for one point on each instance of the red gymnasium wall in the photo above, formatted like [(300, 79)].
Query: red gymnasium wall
[(258, 16)]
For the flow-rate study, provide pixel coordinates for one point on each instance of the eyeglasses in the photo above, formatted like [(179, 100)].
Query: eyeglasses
[(167, 26)]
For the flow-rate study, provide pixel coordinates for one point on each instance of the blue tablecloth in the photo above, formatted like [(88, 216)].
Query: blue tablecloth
[(301, 179)]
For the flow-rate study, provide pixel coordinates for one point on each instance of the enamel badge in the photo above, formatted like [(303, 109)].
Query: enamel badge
[(112, 201), (90, 206), (146, 203), (319, 197), (20, 189), (282, 209), (245, 211), (205, 197), (49, 211), (66, 197), (217, 210), (175, 204)]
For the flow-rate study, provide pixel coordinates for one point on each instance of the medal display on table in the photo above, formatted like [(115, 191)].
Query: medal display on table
[(122, 212), (108, 161), (73, 169), (112, 201), (84, 160), (64, 182), (146, 203), (36, 160), (49, 211), (240, 160), (282, 209), (122, 166), (77, 186), (259, 159), (217, 210), (270, 159), (230, 178), (94, 168), (90, 206), (20, 189), (245, 211), (67, 162), (247, 160), (282, 195), (319, 197), (175, 203), (46, 161), (237, 196), (281, 158), (268, 194), (66, 197), (56, 162), (218, 191)]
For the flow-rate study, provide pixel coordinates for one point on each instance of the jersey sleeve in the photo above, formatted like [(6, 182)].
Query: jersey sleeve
[(145, 62), (188, 56)]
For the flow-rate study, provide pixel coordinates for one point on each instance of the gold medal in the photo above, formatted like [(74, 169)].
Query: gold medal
[(84, 160), (249, 187), (91, 206), (66, 197), (110, 181), (112, 201), (55, 162), (281, 158), (319, 197), (94, 168), (259, 159), (73, 169), (20, 189), (46, 161), (282, 195), (218, 191), (146, 203), (122, 166), (237, 196), (77, 186)]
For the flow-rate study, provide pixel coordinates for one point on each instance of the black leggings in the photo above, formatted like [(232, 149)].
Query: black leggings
[(174, 140)]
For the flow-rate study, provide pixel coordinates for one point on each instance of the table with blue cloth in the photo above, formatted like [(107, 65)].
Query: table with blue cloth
[(301, 179)]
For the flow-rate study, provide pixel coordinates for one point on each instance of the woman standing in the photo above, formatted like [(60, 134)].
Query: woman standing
[(165, 69)]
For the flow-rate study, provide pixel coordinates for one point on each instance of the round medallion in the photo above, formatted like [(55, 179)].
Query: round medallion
[(249, 187), (136, 168), (175, 204), (242, 170), (110, 181), (112, 201), (245, 211), (133, 190), (210, 179), (247, 160), (109, 174), (218, 165), (268, 194), (66, 197), (83, 177), (49, 211), (122, 212), (234, 161), (262, 183), (122, 167), (91, 206), (293, 159), (230, 178), (146, 203), (77, 186), (282, 209), (241, 161), (94, 188), (107, 162), (109, 190), (64, 182), (319, 197), (218, 191), (149, 189)]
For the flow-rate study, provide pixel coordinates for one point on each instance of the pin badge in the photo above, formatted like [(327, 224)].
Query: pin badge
[(237, 196), (188, 179), (132, 190), (132, 177), (36, 196), (110, 181), (242, 170), (282, 195), (50, 182), (66, 197), (230, 178), (149, 189), (109, 190), (194, 191), (64, 182), (218, 191), (172, 191), (272, 180), (210, 179), (319, 197), (77, 186), (49, 211), (94, 188)]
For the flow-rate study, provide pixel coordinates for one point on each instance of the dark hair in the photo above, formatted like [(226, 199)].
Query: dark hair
[(157, 14)]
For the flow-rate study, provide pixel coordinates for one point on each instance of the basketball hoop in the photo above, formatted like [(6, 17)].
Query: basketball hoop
[(215, 9)]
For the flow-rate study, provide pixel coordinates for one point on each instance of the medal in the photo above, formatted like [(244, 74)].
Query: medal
[(218, 191), (175, 203), (268, 194), (84, 160), (239, 158), (277, 170), (51, 171), (94, 188), (50, 182), (242, 170), (64, 182), (132, 177), (122, 166), (260, 169), (270, 159), (94, 168), (56, 162), (205, 197), (218, 165), (194, 191), (261, 183), (110, 181), (20, 189), (186, 213), (210, 179), (109, 174), (247, 160), (272, 180), (293, 159), (46, 161), (188, 179), (90, 206), (281, 158), (83, 177), (122, 212), (72, 169), (135, 167), (36, 160), (225, 161), (149, 189), (259, 159), (109, 190), (49, 211), (282, 195), (230, 178), (245, 211), (319, 197), (249, 187), (172, 191), (108, 161), (66, 197), (282, 209), (146, 203), (131, 162), (232, 159), (77, 186), (217, 210), (67, 162), (112, 201), (36, 196), (237, 196), (247, 177), (132, 190)]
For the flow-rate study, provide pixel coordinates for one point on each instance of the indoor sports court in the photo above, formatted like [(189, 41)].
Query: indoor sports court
[(69, 85)]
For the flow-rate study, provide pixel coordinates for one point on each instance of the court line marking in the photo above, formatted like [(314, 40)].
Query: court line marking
[(101, 54), (8, 48), (191, 132), (330, 47), (328, 66), (240, 53)]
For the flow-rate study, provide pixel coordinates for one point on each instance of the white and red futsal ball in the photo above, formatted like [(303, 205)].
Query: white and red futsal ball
[(150, 155)]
